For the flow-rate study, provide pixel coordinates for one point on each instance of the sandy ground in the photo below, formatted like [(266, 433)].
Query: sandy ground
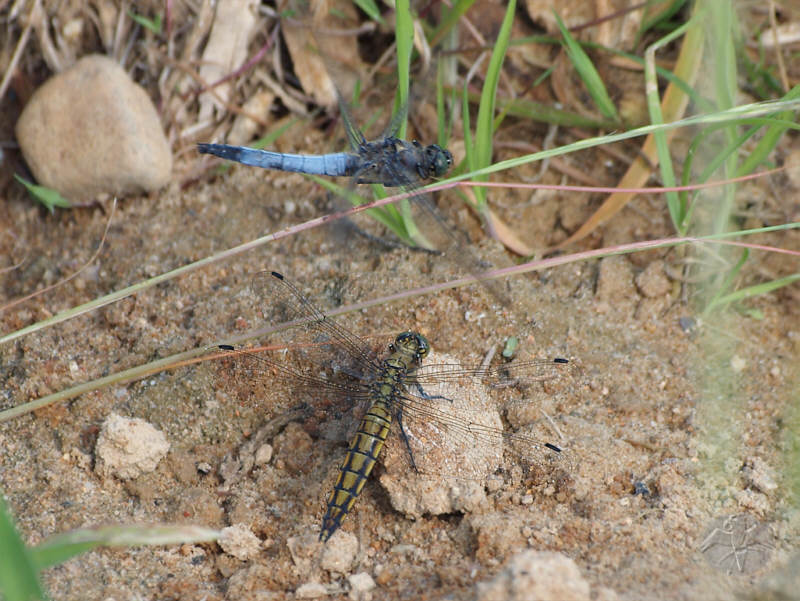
[(674, 428)]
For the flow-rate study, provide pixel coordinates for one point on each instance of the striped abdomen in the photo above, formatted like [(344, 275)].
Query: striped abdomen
[(357, 465)]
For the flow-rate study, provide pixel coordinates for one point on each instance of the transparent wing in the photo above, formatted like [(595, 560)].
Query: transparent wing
[(355, 138), (285, 305), (500, 376), (454, 426), (397, 121)]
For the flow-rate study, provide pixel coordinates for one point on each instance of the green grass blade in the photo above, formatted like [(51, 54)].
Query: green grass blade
[(47, 196), (388, 216), (404, 39), (450, 16), (62, 547), (751, 291), (727, 282), (760, 153), (371, 9), (657, 14), (725, 85), (772, 135), (675, 202), (18, 574), (154, 24), (484, 132), (591, 78), (537, 111)]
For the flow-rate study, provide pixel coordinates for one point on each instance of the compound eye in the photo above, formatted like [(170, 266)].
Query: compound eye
[(423, 348), (442, 160)]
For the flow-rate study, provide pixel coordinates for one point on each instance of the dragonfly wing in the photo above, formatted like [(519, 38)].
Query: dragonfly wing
[(500, 376), (398, 119), (283, 380), (355, 138), (312, 363), (286, 308), (457, 442)]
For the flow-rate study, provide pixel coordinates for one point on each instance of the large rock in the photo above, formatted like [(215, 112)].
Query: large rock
[(91, 130)]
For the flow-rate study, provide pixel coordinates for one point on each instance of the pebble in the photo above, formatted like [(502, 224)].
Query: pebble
[(541, 575), (758, 474), (128, 447), (311, 590), (263, 455), (360, 585), (653, 281), (239, 541), (615, 281), (792, 165), (339, 553), (91, 130), (251, 582)]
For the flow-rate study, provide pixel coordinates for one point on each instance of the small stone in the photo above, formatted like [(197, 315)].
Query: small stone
[(361, 582), (304, 551), (615, 281), (754, 501), (540, 575), (738, 363), (759, 475), (339, 553), (128, 447), (263, 455), (81, 459), (92, 130), (687, 324), (360, 585), (311, 590), (239, 541), (653, 281)]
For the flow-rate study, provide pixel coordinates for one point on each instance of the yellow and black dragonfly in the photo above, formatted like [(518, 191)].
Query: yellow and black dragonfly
[(341, 374)]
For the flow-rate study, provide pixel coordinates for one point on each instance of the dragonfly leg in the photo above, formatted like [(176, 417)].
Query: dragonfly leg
[(430, 397), (399, 418)]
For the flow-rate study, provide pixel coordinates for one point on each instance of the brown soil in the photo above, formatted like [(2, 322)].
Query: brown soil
[(673, 428)]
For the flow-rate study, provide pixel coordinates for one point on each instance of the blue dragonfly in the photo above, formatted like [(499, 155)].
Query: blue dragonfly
[(388, 160)]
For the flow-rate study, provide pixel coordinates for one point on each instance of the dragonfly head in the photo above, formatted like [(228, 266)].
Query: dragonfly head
[(439, 160), (412, 343)]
